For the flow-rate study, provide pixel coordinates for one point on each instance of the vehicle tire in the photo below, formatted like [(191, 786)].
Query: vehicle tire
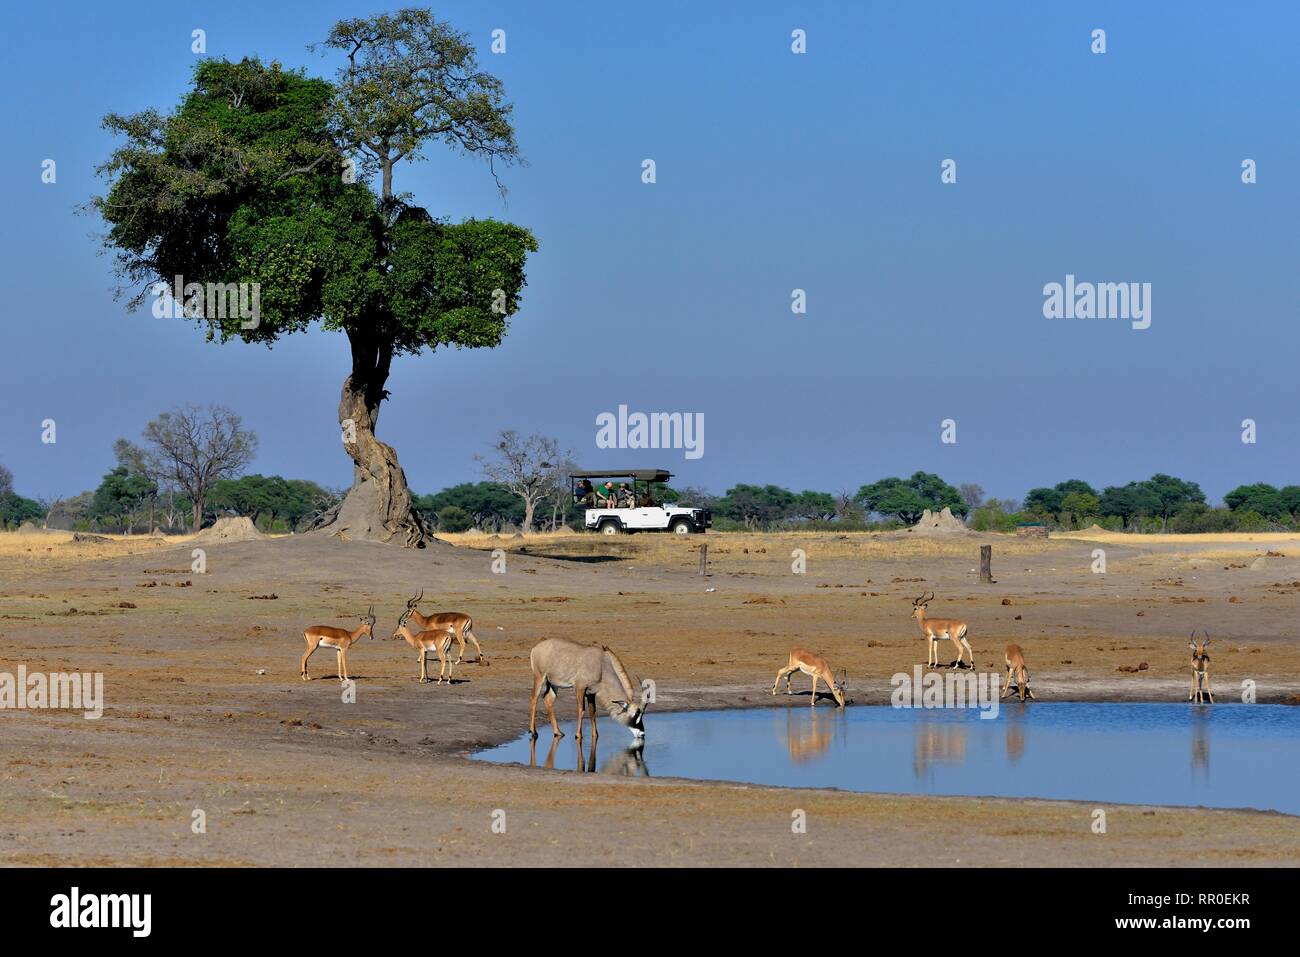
[(681, 526), (609, 526)]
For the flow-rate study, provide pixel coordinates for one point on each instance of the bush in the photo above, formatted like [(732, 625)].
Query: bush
[(1199, 517), (1252, 521), (452, 518)]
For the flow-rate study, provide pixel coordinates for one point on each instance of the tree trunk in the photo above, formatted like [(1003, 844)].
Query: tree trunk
[(378, 506), (529, 507), (198, 515)]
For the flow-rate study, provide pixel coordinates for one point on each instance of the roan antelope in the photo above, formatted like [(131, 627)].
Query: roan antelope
[(935, 628), (340, 639), (1015, 660), (460, 626), (436, 640), (815, 665), (596, 676), (1200, 668)]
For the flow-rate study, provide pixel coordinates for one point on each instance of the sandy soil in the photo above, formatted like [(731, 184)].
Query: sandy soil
[(286, 773)]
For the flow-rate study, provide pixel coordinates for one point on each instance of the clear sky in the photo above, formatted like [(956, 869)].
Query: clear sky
[(775, 171)]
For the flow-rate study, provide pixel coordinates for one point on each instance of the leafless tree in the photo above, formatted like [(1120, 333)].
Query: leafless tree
[(971, 494), (193, 448), (527, 466)]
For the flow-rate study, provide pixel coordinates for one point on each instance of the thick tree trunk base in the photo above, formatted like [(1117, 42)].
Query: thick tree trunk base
[(378, 506), (362, 516)]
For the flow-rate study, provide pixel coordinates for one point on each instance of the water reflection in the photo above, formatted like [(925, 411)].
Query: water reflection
[(629, 762), (1201, 743), (1015, 740), (937, 742), (1086, 751), (806, 736)]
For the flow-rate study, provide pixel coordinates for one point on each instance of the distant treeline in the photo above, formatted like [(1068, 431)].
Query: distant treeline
[(1160, 503), (128, 501)]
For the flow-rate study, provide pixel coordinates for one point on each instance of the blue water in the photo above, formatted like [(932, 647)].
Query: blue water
[(1230, 756)]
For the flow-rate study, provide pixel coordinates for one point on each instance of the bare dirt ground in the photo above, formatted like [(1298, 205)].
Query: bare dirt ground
[(286, 773)]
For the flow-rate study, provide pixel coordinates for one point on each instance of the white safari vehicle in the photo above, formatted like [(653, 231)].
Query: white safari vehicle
[(625, 501)]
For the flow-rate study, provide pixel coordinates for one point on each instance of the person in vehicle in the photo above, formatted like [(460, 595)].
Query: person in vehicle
[(605, 495), (625, 499), (585, 494)]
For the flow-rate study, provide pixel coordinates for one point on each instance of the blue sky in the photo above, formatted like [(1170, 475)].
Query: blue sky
[(776, 171)]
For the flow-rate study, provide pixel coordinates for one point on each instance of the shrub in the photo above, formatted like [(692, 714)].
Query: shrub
[(452, 518)]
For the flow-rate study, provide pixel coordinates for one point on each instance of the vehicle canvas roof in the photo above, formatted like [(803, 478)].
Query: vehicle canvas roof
[(643, 475)]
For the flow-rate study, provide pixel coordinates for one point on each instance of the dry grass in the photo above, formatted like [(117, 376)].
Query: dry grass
[(1207, 538), (759, 546)]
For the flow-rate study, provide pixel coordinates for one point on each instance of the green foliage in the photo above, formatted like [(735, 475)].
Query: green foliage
[(14, 509), (755, 506), (997, 520), (1050, 502), (1172, 494), (489, 504), (120, 494), (1251, 521), (454, 519), (1078, 504), (908, 498), (1260, 497), (278, 502), (1129, 501), (1198, 517), (810, 506)]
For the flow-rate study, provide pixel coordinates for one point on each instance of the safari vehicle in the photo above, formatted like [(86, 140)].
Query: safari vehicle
[(645, 514)]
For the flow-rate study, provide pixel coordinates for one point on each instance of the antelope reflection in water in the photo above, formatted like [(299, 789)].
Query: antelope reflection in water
[(1200, 744), (1015, 741), (937, 742), (627, 762), (807, 737)]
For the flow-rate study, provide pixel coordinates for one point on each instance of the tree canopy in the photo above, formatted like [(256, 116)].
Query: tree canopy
[(907, 498), (250, 185)]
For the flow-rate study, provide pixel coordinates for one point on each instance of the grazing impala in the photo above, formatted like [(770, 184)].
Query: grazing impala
[(461, 627), (1200, 668), (339, 639), (435, 640), (1015, 660), (815, 665), (935, 628), (596, 676)]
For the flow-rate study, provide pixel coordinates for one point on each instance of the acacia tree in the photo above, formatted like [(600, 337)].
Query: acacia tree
[(255, 179)]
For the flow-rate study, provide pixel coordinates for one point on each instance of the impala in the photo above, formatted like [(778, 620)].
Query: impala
[(1015, 661), (460, 626), (596, 676), (435, 640), (340, 639), (935, 628), (1200, 668), (814, 665)]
